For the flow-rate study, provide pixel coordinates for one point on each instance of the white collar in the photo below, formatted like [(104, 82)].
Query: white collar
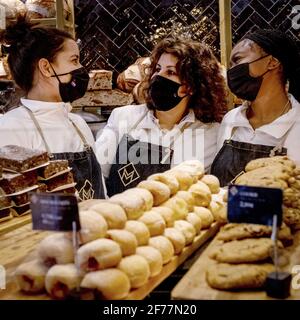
[(279, 127), (150, 120), (36, 105)]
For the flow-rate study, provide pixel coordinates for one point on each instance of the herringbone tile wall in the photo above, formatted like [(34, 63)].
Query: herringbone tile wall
[(115, 32)]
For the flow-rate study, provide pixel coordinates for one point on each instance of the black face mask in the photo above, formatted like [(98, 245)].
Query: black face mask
[(163, 93), (242, 84), (76, 87)]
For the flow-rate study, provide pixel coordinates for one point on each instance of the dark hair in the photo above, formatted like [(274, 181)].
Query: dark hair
[(198, 68), (27, 43)]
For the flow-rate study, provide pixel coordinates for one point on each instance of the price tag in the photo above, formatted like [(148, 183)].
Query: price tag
[(55, 212), (254, 205)]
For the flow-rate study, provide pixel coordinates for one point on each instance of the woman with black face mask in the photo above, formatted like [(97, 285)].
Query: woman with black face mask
[(44, 63), (185, 98), (266, 73)]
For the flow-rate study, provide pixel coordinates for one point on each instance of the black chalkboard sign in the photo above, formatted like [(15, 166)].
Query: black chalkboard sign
[(254, 205), (55, 212)]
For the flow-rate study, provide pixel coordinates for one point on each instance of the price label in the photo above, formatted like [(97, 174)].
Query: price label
[(55, 212), (254, 205)]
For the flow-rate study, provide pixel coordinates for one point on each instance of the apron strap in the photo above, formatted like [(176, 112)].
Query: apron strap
[(39, 129), (139, 120), (82, 137)]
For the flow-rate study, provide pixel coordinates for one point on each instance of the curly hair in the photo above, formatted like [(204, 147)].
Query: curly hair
[(199, 70)]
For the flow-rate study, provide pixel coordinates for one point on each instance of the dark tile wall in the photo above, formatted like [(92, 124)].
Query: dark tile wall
[(248, 15), (115, 32)]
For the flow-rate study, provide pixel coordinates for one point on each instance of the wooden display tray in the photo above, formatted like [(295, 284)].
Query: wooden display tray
[(19, 245), (14, 223), (193, 285)]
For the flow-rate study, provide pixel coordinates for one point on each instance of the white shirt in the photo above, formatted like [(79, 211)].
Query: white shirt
[(17, 128), (198, 140), (284, 130)]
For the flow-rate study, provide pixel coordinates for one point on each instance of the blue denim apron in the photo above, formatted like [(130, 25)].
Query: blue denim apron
[(126, 171), (85, 167)]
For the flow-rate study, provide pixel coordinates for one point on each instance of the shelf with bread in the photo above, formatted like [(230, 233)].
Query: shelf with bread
[(236, 263), (129, 243), (56, 13)]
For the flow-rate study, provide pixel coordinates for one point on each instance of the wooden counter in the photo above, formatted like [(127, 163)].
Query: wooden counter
[(19, 246), (193, 285)]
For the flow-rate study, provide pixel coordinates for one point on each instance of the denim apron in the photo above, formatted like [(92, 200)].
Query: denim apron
[(231, 160), (85, 167), (135, 161)]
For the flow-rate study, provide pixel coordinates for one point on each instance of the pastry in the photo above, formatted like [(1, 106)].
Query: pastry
[(159, 190), (140, 230), (167, 214), (265, 162), (56, 249), (54, 167), (154, 221), (146, 195), (179, 207), (184, 179), (114, 214), (165, 247), (177, 238), (133, 205), (125, 239), (30, 276), (187, 229), (20, 159), (205, 215), (194, 220), (61, 280), (244, 251), (136, 268), (243, 276), (153, 257), (99, 254), (93, 226), (212, 182), (188, 198), (15, 182), (109, 284), (201, 193), (168, 180)]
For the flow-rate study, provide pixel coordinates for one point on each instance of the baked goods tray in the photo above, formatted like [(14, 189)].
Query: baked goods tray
[(193, 285), (12, 293)]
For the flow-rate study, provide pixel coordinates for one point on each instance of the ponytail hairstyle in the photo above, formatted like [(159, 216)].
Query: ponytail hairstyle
[(27, 43)]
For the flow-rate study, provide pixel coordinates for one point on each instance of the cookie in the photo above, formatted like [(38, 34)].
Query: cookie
[(265, 162), (244, 251), (291, 216), (239, 231), (244, 276)]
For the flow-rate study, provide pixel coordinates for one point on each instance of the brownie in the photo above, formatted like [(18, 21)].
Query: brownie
[(21, 199), (1, 171), (71, 190), (20, 159), (15, 182), (4, 213), (5, 202), (53, 168), (42, 187), (21, 210), (59, 181)]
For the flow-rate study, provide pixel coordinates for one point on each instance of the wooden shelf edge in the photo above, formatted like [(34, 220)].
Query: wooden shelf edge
[(14, 223)]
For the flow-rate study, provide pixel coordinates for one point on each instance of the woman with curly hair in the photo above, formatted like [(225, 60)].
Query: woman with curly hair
[(185, 101)]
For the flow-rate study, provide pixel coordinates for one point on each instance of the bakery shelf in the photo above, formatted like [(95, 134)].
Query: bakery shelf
[(19, 246), (193, 285), (14, 223)]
